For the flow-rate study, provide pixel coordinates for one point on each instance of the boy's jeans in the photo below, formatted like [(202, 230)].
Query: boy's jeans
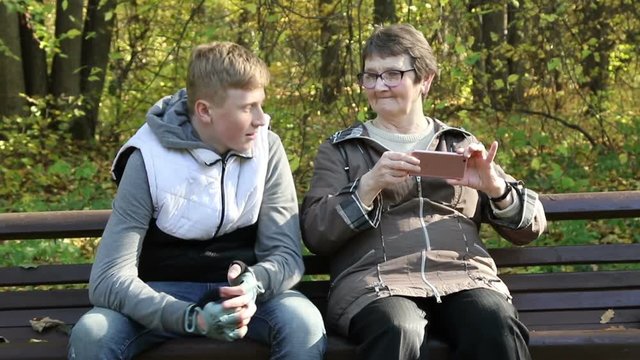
[(288, 323)]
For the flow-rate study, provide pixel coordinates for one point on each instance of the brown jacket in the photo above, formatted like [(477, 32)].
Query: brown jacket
[(421, 238)]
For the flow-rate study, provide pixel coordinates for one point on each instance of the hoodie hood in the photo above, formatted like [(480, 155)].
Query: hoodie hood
[(170, 122)]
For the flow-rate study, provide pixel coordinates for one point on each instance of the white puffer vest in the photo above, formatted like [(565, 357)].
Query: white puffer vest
[(196, 191)]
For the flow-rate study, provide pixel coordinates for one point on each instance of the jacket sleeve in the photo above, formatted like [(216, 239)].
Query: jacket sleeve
[(526, 224), (331, 211), (114, 281), (278, 244)]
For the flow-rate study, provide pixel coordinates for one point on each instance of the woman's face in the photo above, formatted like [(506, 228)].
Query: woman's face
[(392, 103)]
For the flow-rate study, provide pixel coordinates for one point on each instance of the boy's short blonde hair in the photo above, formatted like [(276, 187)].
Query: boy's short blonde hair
[(218, 66)]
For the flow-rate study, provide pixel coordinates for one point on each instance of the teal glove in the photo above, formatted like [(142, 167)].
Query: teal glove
[(247, 280), (220, 323)]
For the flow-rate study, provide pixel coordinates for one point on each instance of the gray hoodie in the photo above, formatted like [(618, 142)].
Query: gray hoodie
[(114, 281)]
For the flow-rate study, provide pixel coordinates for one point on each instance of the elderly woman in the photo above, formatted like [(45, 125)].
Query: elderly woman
[(406, 254)]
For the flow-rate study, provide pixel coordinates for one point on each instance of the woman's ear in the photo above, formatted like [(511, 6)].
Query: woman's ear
[(426, 85)]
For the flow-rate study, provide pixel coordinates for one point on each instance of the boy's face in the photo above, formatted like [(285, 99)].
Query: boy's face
[(234, 123)]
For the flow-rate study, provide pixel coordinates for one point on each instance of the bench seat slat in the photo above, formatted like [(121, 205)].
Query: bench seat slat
[(25, 333), (17, 318), (559, 337), (585, 344), (569, 344), (584, 319), (576, 327), (186, 349)]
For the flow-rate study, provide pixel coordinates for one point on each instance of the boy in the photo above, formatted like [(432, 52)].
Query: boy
[(204, 188)]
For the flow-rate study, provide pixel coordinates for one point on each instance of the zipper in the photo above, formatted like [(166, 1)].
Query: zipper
[(422, 223), (223, 161), (427, 243)]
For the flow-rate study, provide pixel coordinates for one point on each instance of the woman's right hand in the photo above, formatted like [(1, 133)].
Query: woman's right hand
[(392, 168)]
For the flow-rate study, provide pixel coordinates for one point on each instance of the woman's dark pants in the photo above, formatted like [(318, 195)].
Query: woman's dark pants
[(476, 324)]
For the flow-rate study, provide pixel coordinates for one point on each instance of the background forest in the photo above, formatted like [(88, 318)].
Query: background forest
[(556, 82)]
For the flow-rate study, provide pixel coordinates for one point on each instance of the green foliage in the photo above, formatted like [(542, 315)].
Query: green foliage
[(31, 253), (43, 169)]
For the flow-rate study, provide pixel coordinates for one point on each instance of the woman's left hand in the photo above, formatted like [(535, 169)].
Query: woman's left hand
[(481, 173)]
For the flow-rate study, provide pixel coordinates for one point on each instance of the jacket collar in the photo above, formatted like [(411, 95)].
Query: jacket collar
[(359, 131)]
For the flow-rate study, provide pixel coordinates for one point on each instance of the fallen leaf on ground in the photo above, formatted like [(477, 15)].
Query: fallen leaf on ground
[(37, 340), (617, 327), (607, 316), (41, 324)]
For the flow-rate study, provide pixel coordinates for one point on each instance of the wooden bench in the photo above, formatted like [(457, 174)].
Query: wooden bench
[(568, 311)]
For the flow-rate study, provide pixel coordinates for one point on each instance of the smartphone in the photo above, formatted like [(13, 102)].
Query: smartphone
[(440, 164)]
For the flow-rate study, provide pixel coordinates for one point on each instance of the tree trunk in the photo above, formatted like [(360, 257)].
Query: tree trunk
[(384, 11), (96, 43), (596, 26), (34, 59), (596, 29), (493, 28), (11, 78), (243, 33), (269, 32), (331, 69), (515, 29), (489, 34), (65, 74), (478, 89)]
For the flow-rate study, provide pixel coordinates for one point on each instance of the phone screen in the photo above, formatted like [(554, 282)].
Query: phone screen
[(441, 164)]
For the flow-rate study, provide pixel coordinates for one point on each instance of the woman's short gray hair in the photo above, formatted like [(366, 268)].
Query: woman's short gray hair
[(402, 39)]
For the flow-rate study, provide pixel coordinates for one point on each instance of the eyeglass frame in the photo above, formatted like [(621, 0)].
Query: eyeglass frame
[(381, 76)]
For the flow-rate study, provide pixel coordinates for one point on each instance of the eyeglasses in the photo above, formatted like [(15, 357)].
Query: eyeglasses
[(391, 78)]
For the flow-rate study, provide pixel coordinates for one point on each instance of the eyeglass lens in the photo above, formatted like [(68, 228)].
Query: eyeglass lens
[(390, 78)]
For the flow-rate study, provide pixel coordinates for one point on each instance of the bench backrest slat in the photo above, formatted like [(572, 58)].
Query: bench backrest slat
[(572, 281), (558, 255), (53, 224), (577, 300), (37, 299), (536, 255), (591, 205), (90, 223), (45, 275)]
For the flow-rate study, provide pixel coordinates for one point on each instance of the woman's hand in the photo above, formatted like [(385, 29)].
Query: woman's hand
[(392, 168), (481, 172)]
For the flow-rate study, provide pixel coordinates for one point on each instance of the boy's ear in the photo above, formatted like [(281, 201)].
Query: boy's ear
[(202, 111)]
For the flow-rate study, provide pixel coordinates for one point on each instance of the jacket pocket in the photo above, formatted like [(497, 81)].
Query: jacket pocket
[(347, 270)]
